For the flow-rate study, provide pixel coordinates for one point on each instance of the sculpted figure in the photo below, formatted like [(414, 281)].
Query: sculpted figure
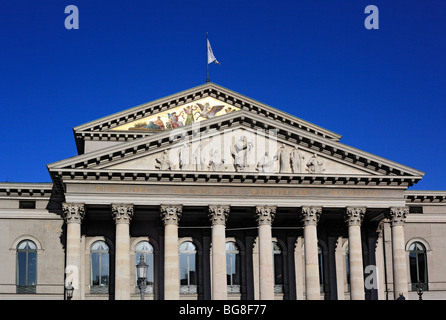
[(284, 159), (296, 158), (184, 157), (240, 151), (265, 164), (200, 157), (216, 162), (315, 165), (163, 162)]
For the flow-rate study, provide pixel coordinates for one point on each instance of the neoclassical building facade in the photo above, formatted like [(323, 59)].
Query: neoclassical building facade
[(226, 198)]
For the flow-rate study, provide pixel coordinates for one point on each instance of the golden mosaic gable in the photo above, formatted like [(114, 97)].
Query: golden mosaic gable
[(180, 116)]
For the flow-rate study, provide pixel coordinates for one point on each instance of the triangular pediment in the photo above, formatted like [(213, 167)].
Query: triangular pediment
[(240, 149), (233, 138), (141, 121)]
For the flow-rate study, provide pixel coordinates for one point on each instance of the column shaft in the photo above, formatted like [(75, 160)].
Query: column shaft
[(265, 218), (73, 214), (354, 217), (171, 214), (400, 282), (218, 216), (310, 218), (122, 214)]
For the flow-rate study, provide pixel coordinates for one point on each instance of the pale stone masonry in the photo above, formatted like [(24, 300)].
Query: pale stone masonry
[(269, 205), (218, 216), (310, 218), (354, 217)]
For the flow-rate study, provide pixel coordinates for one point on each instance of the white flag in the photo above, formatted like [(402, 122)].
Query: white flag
[(211, 57)]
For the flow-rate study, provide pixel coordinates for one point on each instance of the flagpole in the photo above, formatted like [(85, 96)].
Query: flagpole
[(207, 64)]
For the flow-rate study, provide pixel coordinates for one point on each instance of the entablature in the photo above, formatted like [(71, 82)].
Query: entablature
[(425, 197), (231, 178), (26, 190)]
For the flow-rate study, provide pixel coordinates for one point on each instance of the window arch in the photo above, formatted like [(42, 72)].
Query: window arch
[(188, 267), (144, 248), (278, 267), (26, 267), (233, 267), (418, 265), (99, 267)]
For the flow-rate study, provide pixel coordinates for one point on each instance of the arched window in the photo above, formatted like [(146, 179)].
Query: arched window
[(188, 271), (278, 267), (145, 248), (321, 267), (233, 267), (100, 267), (26, 267), (418, 265)]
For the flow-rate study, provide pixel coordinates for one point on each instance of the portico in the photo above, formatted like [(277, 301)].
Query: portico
[(307, 272)]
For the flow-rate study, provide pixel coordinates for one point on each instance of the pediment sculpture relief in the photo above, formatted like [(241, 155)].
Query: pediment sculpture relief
[(206, 155)]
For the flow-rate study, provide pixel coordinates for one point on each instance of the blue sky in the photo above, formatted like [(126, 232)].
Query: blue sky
[(383, 90)]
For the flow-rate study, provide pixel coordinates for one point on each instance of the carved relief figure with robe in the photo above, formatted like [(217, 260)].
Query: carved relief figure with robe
[(184, 157), (240, 151), (200, 157), (163, 162), (265, 164), (216, 162), (315, 165), (296, 158), (283, 155)]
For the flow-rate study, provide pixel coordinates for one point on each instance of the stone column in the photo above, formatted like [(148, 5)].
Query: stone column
[(73, 215), (310, 218), (218, 216), (265, 217), (397, 217), (353, 218), (122, 215), (171, 214)]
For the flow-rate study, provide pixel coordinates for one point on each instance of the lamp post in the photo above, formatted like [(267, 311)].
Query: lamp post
[(141, 270), (69, 290), (419, 291)]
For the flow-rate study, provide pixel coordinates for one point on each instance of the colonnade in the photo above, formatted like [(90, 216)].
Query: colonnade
[(218, 215)]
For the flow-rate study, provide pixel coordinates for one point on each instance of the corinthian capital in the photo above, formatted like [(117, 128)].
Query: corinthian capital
[(310, 215), (218, 214), (122, 213), (265, 214), (171, 214), (73, 212), (354, 216), (397, 215)]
